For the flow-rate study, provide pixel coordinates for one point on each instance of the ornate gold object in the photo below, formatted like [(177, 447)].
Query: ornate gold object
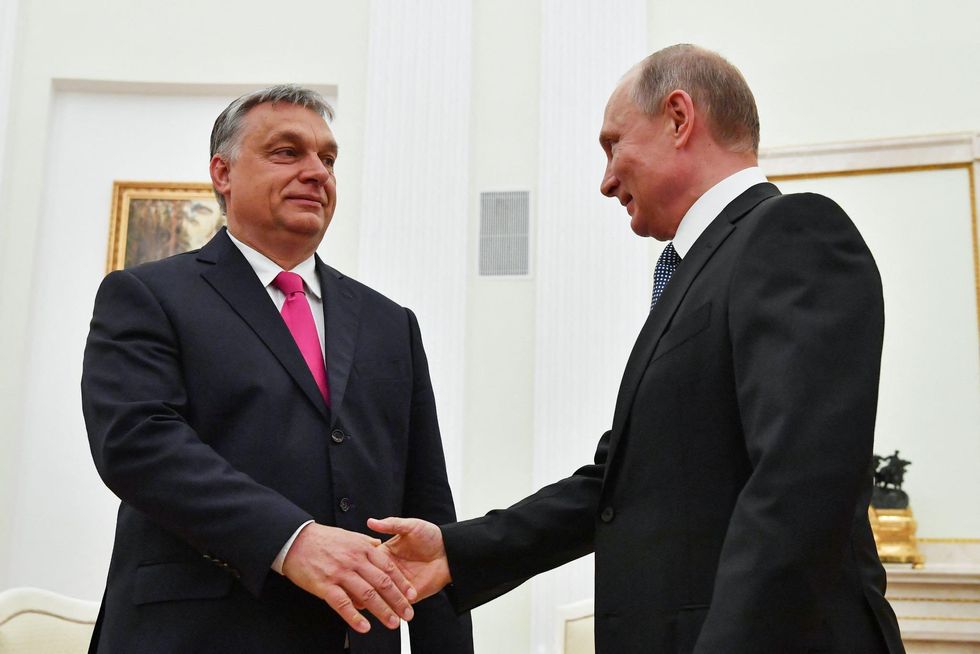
[(894, 532)]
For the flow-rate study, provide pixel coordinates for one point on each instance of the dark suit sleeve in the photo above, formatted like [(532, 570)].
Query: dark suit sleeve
[(491, 555), (806, 321), (134, 402), (436, 627)]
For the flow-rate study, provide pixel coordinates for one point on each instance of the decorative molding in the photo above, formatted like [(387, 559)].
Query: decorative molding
[(953, 600), (948, 575), (879, 155), (941, 601), (85, 85)]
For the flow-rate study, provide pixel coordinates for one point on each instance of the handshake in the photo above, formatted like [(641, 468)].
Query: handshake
[(352, 571)]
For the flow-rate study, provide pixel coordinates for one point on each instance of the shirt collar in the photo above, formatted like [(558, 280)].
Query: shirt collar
[(708, 206), (266, 269)]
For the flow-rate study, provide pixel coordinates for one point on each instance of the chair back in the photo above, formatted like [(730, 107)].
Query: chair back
[(35, 621)]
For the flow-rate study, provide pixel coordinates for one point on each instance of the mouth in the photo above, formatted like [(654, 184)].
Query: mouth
[(628, 203), (307, 200)]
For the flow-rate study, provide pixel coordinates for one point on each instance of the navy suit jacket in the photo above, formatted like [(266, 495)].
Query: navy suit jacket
[(206, 422), (727, 506)]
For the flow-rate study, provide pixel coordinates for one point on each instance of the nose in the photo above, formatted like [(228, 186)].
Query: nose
[(315, 170), (609, 183)]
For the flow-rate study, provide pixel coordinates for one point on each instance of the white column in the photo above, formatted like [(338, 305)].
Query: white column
[(8, 31), (413, 232), (593, 273), (8, 435)]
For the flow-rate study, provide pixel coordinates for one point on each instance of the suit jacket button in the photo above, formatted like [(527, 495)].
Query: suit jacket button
[(337, 436), (607, 514), (345, 504)]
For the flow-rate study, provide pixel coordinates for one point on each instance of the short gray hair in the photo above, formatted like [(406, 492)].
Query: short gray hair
[(227, 131), (716, 86)]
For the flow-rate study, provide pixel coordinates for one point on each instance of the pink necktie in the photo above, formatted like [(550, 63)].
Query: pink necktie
[(299, 319)]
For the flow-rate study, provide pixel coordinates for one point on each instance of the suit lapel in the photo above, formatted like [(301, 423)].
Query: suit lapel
[(342, 308), (704, 247), (234, 280)]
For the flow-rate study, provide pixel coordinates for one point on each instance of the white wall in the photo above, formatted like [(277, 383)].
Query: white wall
[(500, 313), (834, 72), (841, 70), (930, 370)]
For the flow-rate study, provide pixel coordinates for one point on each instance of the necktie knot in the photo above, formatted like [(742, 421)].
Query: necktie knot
[(666, 265), (298, 316), (288, 283)]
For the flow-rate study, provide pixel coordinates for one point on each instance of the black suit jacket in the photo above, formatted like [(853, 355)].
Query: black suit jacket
[(727, 506), (206, 422)]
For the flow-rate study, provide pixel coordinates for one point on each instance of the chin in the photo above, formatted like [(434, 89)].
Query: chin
[(306, 223), (639, 227)]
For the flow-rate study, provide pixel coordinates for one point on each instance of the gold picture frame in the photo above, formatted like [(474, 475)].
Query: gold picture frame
[(153, 220)]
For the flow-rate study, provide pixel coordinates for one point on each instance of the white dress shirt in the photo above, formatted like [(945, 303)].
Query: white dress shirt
[(709, 205), (266, 269)]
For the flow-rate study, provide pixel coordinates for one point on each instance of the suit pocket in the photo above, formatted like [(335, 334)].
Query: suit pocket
[(165, 582), (381, 370), (684, 330)]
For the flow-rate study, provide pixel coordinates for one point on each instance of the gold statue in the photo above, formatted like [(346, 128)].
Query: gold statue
[(891, 518)]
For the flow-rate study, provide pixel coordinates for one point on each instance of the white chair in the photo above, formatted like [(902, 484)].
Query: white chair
[(576, 628), (35, 621)]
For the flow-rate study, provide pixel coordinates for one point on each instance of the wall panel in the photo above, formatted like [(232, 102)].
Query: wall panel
[(415, 194)]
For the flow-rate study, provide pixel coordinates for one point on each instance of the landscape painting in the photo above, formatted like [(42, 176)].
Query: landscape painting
[(153, 220)]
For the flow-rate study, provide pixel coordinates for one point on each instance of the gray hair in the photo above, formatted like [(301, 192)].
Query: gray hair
[(227, 131), (715, 85)]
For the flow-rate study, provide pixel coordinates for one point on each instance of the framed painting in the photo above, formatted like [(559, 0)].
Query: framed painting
[(153, 220)]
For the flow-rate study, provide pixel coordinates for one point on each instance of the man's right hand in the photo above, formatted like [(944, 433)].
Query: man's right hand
[(418, 549), (349, 571)]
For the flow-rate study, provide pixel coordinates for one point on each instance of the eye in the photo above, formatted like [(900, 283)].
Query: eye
[(329, 160), (285, 152)]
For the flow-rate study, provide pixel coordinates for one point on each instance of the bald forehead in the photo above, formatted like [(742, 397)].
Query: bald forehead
[(617, 109), (624, 89)]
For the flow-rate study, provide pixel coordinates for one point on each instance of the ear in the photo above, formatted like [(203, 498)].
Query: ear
[(679, 111), (220, 175)]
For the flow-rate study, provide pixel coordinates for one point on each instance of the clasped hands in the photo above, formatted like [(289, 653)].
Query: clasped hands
[(352, 571)]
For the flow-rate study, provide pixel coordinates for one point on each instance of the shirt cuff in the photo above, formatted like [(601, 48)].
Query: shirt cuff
[(277, 563)]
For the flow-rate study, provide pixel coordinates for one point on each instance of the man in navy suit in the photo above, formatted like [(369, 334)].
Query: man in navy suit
[(249, 447), (727, 506)]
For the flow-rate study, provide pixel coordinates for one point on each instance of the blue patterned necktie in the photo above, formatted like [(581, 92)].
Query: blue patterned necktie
[(666, 265)]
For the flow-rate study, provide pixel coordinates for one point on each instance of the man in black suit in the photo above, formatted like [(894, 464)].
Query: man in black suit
[(247, 463), (727, 506)]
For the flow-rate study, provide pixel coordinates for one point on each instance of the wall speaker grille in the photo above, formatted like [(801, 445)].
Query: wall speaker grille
[(504, 223)]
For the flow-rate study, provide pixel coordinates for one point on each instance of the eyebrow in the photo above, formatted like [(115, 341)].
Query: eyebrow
[(295, 136)]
